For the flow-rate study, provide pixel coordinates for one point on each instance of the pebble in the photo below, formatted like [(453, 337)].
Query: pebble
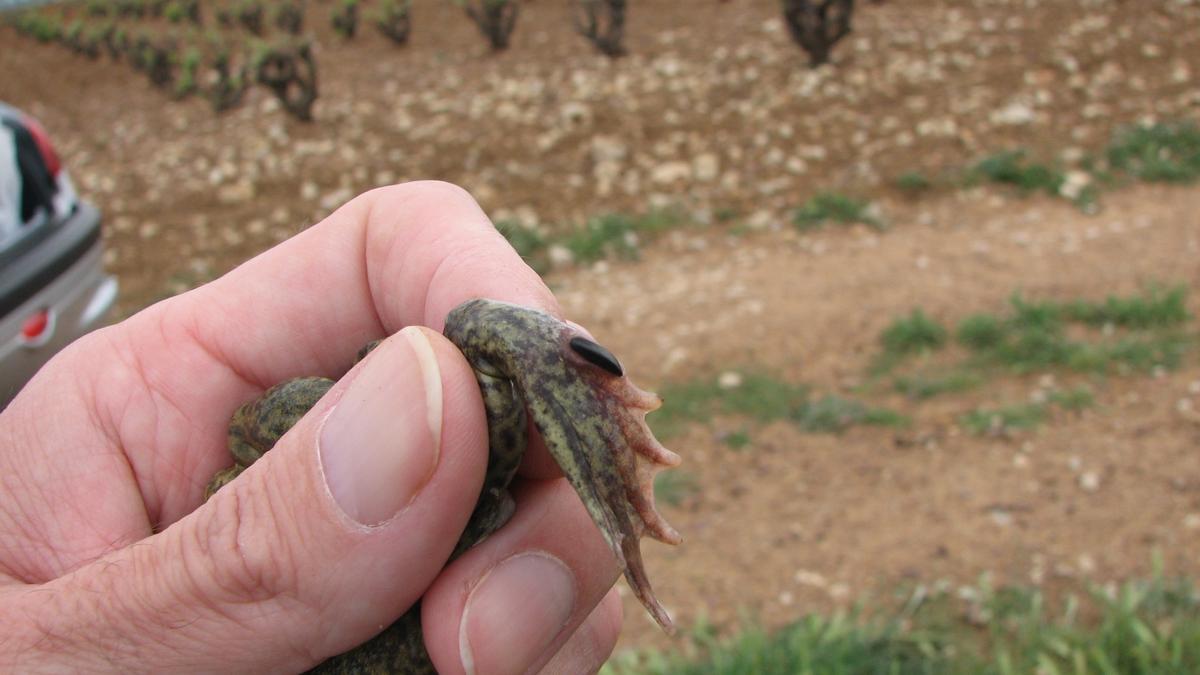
[(729, 380), (671, 172), (1001, 517), (1089, 481)]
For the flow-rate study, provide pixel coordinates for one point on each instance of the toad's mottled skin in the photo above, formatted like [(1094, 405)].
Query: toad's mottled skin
[(590, 415)]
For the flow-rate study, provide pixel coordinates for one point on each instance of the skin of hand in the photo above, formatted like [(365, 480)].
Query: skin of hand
[(108, 560)]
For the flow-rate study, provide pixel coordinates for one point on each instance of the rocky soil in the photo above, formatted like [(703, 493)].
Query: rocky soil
[(716, 113)]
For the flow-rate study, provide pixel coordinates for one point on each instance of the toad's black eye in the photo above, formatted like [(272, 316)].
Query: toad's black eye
[(596, 355)]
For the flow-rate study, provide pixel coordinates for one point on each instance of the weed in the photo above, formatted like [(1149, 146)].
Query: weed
[(763, 399), (923, 387), (913, 183), (1148, 626), (1131, 354), (1004, 420), (1034, 337), (1026, 416), (832, 414), (981, 332), (616, 234), (1158, 308), (1011, 168), (726, 214), (737, 440), (913, 334), (1073, 399), (836, 207), (1161, 152), (757, 396)]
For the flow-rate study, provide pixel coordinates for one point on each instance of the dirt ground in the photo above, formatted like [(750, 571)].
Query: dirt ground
[(716, 114)]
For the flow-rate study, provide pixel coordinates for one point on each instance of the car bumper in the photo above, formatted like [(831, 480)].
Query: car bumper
[(69, 285)]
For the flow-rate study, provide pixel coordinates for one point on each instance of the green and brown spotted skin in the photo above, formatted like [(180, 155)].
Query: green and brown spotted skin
[(590, 415)]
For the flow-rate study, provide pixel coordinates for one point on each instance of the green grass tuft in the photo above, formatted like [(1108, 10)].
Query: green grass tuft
[(1139, 333), (928, 386), (1003, 420), (1158, 308), (1145, 628), (835, 207), (981, 331), (913, 334), (616, 234), (1073, 399), (1161, 152), (763, 399), (832, 414), (1012, 168), (1026, 416), (913, 183), (737, 440)]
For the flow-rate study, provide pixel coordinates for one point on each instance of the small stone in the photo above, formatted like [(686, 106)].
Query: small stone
[(309, 191), (810, 578), (1001, 517), (671, 172), (1192, 521), (560, 256), (608, 149), (729, 380), (237, 193), (1074, 184), (1089, 481), (1016, 113), (575, 114), (706, 167)]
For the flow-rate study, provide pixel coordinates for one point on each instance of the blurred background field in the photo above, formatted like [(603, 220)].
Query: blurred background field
[(924, 316)]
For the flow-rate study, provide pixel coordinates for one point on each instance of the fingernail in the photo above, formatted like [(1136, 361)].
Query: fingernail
[(514, 614), (380, 444)]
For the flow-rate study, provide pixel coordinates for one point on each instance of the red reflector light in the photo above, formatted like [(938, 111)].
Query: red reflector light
[(35, 325), (49, 156)]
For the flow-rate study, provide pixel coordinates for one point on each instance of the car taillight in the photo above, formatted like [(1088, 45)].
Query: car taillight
[(49, 156), (35, 326)]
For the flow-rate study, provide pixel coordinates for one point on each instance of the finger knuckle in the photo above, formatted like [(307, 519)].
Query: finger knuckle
[(246, 557)]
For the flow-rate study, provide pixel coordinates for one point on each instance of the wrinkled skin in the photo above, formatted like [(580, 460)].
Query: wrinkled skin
[(590, 415)]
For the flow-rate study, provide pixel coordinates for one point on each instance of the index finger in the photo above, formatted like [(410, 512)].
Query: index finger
[(393, 257)]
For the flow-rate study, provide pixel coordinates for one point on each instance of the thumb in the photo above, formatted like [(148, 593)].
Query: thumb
[(315, 548)]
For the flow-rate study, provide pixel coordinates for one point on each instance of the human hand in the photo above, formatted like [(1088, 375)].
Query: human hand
[(108, 560)]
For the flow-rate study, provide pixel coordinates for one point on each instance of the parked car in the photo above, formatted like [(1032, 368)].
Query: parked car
[(53, 288)]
